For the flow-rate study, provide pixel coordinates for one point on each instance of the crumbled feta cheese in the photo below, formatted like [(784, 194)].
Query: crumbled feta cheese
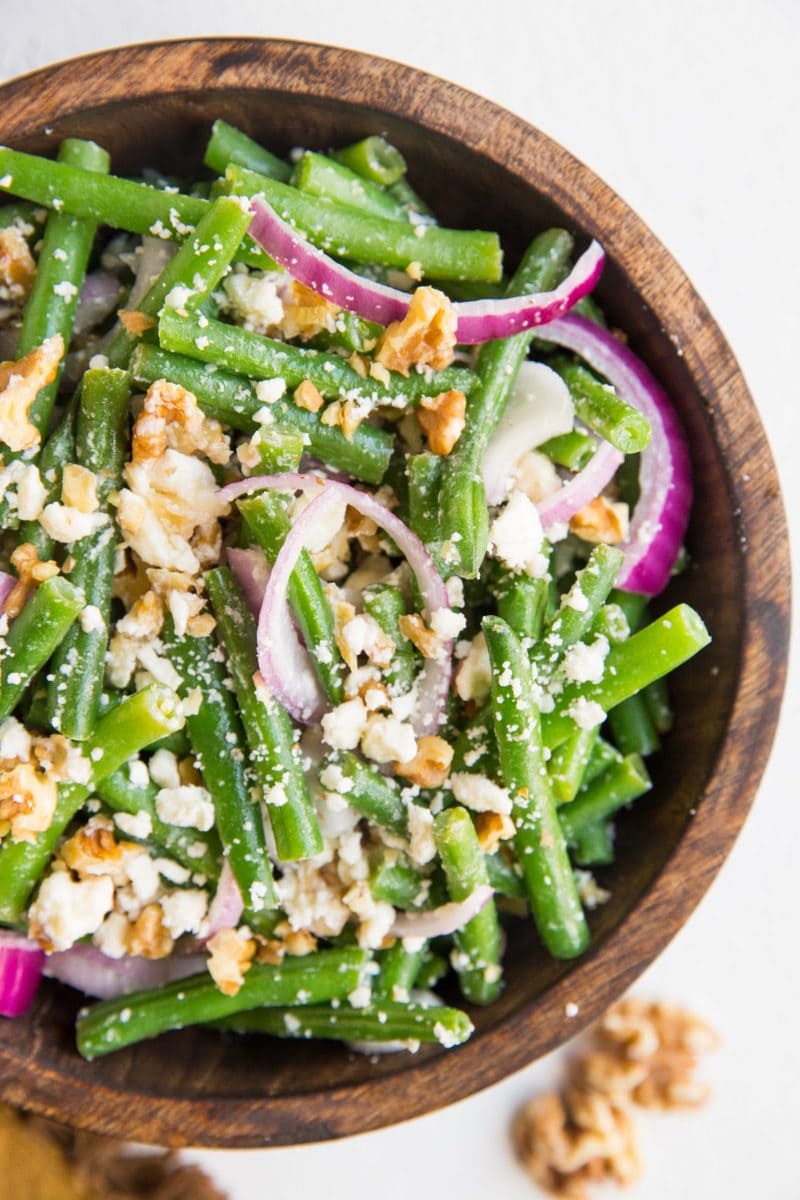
[(65, 290), (480, 794), (586, 713), (333, 779), (136, 825), (253, 299), (589, 890), (31, 494), (585, 662), (268, 391), (421, 842), (178, 297), (111, 938), (342, 726), (163, 769), (535, 475), (15, 741), (455, 591), (138, 773), (447, 624), (186, 805), (65, 524), (386, 739), (172, 871), (142, 873), (184, 910), (473, 678), (360, 996), (516, 537), (310, 900), (98, 362), (91, 619), (66, 910)]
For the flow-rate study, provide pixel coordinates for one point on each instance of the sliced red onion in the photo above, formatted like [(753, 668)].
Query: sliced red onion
[(661, 516), (21, 963), (7, 585), (437, 922), (251, 571), (89, 970), (582, 488), (294, 690), (540, 407), (227, 906), (98, 299), (477, 320), (151, 258)]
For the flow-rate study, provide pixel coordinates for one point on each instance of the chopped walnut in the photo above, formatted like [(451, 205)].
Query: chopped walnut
[(17, 266), (171, 417), (148, 936), (94, 850), (414, 271), (308, 396), (343, 613), (493, 828), (135, 322), (364, 530), (27, 799), (601, 521), (566, 1143), (305, 314), (294, 942), (79, 488), (443, 418), (144, 619), (30, 571), (426, 641), (426, 336), (430, 765), (359, 364), (347, 414), (20, 383), (232, 952)]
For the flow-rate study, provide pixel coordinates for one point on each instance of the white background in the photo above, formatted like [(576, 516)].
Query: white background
[(689, 109)]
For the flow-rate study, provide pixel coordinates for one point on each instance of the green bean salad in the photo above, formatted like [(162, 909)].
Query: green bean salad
[(328, 546)]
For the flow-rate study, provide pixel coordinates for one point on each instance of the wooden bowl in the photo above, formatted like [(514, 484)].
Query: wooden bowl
[(478, 165)]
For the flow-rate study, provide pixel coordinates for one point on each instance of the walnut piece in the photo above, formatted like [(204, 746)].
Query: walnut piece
[(430, 765), (493, 828), (414, 628), (27, 799), (601, 521), (148, 936), (305, 314), (443, 418), (17, 266), (20, 383), (79, 488), (308, 396), (425, 337), (30, 571), (232, 952), (135, 322), (171, 417)]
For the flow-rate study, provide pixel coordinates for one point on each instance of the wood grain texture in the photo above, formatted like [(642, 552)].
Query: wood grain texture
[(479, 165)]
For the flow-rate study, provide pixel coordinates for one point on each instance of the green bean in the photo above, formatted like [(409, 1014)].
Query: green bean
[(382, 1022), (602, 756), (385, 604), (612, 624), (275, 760), (632, 727), (588, 307), (373, 158), (258, 357), (633, 604), (351, 333), (424, 473), (653, 652), (540, 845), (578, 608), (399, 968), (232, 399), (599, 407), (574, 450), (192, 273), (350, 234), (76, 673), (373, 795), (199, 852), (219, 745), (568, 762), (25, 217), (270, 524), (403, 191), (656, 697), (34, 635), (396, 880), (58, 450), (315, 979), (228, 144), (321, 176), (279, 449), (521, 602), (135, 723), (433, 970), (476, 749), (594, 845), (477, 958), (505, 877), (109, 200), (620, 784), (463, 499)]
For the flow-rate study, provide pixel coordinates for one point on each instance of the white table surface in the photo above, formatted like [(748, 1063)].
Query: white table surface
[(689, 110)]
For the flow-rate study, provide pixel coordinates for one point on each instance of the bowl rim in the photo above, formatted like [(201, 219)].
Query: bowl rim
[(415, 96)]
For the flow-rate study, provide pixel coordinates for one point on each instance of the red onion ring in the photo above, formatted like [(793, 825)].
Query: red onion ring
[(227, 906), (21, 963), (437, 922), (89, 970), (251, 571), (659, 521), (98, 299), (582, 488), (294, 690), (7, 585), (477, 320)]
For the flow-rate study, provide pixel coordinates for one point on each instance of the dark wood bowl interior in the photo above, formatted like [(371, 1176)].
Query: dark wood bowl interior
[(477, 165)]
